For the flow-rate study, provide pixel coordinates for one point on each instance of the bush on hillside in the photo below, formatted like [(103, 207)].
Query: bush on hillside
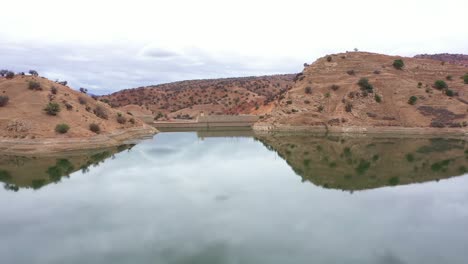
[(449, 92), (348, 107), (335, 87), (82, 100), (52, 109), (35, 86), (449, 77), (465, 78), (121, 119), (3, 100), (378, 98), (53, 90), (351, 72), (62, 128), (9, 75), (329, 58), (100, 112), (95, 128), (412, 100), (365, 85), (398, 64), (308, 90), (439, 84)]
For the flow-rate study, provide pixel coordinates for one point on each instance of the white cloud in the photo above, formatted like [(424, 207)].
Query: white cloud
[(173, 40)]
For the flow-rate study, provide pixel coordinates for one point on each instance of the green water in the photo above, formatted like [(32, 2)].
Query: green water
[(236, 197)]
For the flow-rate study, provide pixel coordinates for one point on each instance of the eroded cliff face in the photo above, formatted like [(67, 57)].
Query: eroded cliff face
[(359, 89)]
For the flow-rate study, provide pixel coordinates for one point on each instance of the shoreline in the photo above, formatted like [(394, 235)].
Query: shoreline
[(42, 146), (357, 130)]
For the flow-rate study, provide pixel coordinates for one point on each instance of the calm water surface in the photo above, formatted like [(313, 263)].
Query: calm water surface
[(220, 198)]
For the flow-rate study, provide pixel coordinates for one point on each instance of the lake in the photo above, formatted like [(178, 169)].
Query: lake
[(236, 197)]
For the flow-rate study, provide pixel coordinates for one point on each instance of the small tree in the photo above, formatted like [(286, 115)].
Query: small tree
[(33, 73), (3, 100), (62, 128), (52, 109), (449, 92), (83, 90), (9, 75), (439, 84), (398, 64), (3, 72), (95, 128), (412, 100)]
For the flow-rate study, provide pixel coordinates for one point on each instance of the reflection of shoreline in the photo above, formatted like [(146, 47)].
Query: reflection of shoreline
[(35, 172), (346, 162)]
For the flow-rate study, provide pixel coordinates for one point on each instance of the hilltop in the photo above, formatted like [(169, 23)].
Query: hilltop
[(460, 59), (360, 91), (186, 99), (41, 115)]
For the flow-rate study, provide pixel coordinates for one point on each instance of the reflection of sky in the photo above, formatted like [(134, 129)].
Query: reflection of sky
[(178, 199)]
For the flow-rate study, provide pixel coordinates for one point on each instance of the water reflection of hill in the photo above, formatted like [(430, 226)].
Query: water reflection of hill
[(357, 163), (35, 172)]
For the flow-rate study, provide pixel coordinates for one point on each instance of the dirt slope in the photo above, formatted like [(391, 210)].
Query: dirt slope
[(23, 117), (326, 94), (460, 59), (217, 96)]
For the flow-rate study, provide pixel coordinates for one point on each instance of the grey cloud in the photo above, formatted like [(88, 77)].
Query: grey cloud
[(104, 69)]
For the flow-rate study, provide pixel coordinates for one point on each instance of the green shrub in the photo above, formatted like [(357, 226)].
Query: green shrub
[(419, 84), (348, 107), (439, 84), (62, 128), (121, 119), (398, 64), (378, 98), (351, 72), (52, 109), (3, 100), (412, 100), (308, 90), (335, 87), (449, 92), (95, 128), (449, 77), (365, 85), (33, 85), (465, 78), (33, 73), (53, 90)]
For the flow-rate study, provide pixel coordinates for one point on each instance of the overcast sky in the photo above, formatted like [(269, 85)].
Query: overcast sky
[(110, 45)]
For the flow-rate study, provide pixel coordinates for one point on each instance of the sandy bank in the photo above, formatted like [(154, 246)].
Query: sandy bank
[(54, 145)]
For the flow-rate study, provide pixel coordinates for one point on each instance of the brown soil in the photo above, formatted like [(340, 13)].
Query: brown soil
[(24, 121), (323, 90), (232, 96)]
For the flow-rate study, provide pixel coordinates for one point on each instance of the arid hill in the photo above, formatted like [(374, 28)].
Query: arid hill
[(39, 112), (361, 91), (460, 59), (185, 99)]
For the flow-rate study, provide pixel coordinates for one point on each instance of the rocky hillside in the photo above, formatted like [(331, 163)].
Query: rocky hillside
[(34, 108), (186, 99), (460, 59), (366, 90)]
